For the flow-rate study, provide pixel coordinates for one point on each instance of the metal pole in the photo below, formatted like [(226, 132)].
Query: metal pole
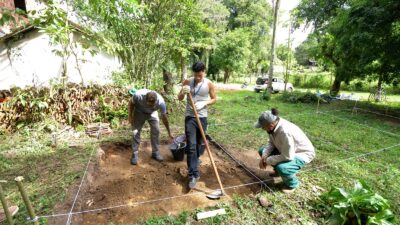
[(28, 204), (5, 205)]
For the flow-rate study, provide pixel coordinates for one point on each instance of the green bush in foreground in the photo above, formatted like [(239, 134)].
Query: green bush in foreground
[(358, 206)]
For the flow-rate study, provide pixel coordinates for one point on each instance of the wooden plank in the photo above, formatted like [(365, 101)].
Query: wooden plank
[(208, 214)]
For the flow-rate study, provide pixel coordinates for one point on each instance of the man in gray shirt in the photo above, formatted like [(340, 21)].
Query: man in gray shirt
[(143, 107)]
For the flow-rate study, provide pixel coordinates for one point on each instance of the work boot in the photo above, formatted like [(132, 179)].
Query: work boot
[(273, 174), (157, 156), (135, 158), (193, 182), (287, 190)]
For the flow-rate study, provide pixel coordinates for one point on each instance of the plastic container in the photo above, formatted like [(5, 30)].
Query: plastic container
[(178, 148)]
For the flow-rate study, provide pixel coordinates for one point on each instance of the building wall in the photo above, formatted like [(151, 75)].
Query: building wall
[(31, 61), (9, 4), (34, 5)]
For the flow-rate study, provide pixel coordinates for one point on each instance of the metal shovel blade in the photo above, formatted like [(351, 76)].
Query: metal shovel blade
[(215, 195)]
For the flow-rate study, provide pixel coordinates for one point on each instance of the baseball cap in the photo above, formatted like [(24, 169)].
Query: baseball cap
[(265, 118)]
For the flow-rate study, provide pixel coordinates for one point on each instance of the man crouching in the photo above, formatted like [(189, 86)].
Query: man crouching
[(287, 151)]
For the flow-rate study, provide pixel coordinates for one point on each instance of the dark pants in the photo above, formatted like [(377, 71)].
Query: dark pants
[(195, 145), (152, 119)]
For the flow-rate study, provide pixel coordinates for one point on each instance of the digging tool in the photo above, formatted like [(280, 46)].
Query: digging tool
[(219, 193), (33, 217), (5, 206)]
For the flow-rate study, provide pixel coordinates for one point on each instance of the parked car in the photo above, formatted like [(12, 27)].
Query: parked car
[(278, 84)]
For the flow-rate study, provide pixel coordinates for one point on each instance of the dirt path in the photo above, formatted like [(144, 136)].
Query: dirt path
[(233, 87), (113, 181)]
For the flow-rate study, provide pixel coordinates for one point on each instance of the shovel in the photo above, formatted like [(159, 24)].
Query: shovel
[(216, 194)]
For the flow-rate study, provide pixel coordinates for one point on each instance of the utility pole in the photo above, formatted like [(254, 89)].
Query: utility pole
[(271, 65)]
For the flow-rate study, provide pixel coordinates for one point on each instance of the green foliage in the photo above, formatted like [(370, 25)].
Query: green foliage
[(145, 34), (299, 97), (215, 14), (110, 113), (252, 17), (283, 52), (316, 81), (179, 220), (358, 206), (9, 17), (358, 37), (232, 51), (73, 105), (265, 96), (306, 51)]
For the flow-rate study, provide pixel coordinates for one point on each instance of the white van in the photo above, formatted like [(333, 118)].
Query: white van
[(278, 84)]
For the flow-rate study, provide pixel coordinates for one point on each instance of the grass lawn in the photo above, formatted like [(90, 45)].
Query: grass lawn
[(339, 136), (363, 95)]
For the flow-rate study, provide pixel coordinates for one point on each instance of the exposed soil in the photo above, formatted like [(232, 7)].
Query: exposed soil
[(113, 181)]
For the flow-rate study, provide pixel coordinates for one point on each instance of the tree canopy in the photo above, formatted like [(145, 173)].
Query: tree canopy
[(359, 37)]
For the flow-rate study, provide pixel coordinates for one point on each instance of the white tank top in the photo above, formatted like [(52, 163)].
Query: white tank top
[(200, 92)]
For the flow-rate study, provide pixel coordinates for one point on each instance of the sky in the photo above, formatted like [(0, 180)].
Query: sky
[(282, 32)]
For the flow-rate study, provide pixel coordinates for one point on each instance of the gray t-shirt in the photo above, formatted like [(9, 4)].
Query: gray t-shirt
[(140, 103)]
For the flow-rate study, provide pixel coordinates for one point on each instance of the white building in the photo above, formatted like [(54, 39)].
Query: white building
[(27, 58)]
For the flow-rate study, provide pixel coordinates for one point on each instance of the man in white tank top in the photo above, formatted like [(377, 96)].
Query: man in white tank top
[(203, 93)]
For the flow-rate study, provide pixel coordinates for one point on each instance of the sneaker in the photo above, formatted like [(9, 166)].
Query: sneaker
[(157, 156), (193, 182), (12, 209), (135, 158), (287, 190), (134, 161)]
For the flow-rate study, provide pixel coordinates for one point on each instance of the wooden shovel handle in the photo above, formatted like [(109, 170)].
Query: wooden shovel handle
[(206, 142)]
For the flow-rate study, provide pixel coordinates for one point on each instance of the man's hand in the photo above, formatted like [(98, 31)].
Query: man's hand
[(200, 105), (263, 164), (171, 138), (185, 89), (261, 150)]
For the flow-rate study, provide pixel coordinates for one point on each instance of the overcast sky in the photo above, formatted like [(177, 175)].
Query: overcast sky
[(282, 32)]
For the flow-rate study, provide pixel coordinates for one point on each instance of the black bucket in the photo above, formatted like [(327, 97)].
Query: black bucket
[(178, 151)]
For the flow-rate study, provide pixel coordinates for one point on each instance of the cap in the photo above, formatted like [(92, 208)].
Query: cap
[(265, 118)]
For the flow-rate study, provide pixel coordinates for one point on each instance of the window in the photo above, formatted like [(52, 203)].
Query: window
[(20, 4), (261, 81)]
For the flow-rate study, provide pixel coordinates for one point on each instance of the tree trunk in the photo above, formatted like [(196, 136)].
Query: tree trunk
[(226, 76), (378, 96), (288, 56), (214, 77), (272, 60), (335, 87), (183, 68), (167, 77), (206, 57)]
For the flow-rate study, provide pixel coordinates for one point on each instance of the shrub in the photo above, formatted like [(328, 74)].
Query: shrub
[(358, 206), (265, 96), (299, 97), (297, 81)]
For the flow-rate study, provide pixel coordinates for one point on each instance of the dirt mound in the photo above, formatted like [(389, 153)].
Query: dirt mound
[(150, 188)]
